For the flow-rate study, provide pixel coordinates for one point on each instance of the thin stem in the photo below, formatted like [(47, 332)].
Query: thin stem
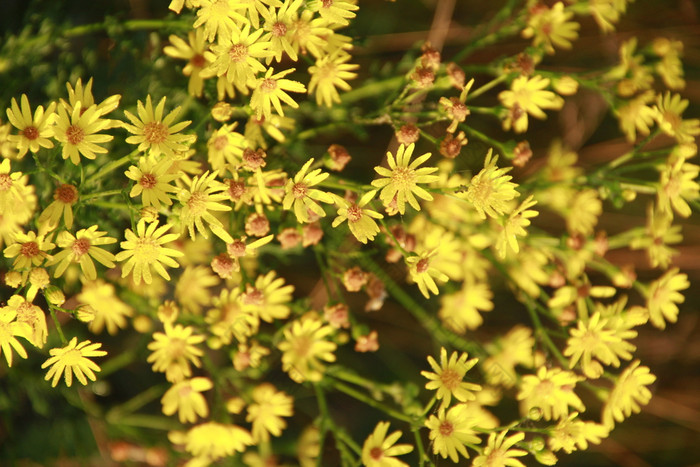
[(57, 324), (487, 87), (129, 25), (543, 334), (110, 167), (352, 392)]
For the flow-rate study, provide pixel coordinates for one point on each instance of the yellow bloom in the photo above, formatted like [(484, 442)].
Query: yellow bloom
[(82, 95), (400, 181), (450, 431), (186, 399), (527, 96), (663, 296), (267, 410), (499, 451), (82, 248), (269, 91), (491, 189), (629, 394), (278, 27), (669, 110), (73, 359), (551, 27), (237, 56), (670, 68), (9, 331), (379, 450), (193, 52), (192, 288), (515, 348), (636, 116), (152, 179), (514, 226), (335, 12), (29, 250), (571, 434), (174, 350), (301, 197), (34, 131), (79, 132), (144, 249), (457, 110), (219, 17), (311, 33), (360, 220), (678, 185), (225, 146), (154, 133), (108, 310), (660, 233), (423, 273), (36, 331), (582, 214), (203, 196), (330, 72), (549, 394), (304, 347), (607, 12), (65, 196), (269, 298), (448, 378), (460, 311), (212, 441)]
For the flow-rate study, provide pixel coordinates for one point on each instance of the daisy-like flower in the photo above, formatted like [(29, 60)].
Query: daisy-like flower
[(108, 311), (73, 359), (660, 233), (551, 27), (335, 12), (549, 393), (192, 290), (10, 329), (225, 146), (193, 52), (238, 56), (456, 108), (301, 197), (583, 211), (379, 449), (219, 17), (423, 274), (514, 227), (212, 441), (491, 190), (527, 96), (400, 181), (663, 296), (154, 133), (34, 131), (310, 33), (152, 179), (460, 310), (678, 185), (174, 351), (360, 219), (203, 196), (267, 410), (186, 399), (572, 433), (304, 347), (29, 250), (269, 298), (144, 249), (499, 451), (64, 197), (629, 394), (270, 91), (82, 248), (636, 116), (278, 27), (331, 72), (11, 184), (32, 315), (82, 95), (79, 132), (448, 378), (669, 114), (229, 319), (450, 430)]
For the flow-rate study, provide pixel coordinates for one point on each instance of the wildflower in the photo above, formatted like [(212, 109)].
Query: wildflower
[(79, 132), (549, 393), (36, 330), (152, 179), (240, 249), (582, 214), (670, 68), (34, 131), (677, 186), (38, 280), (65, 196), (301, 197), (154, 133), (304, 347), (82, 248), (514, 226), (498, 451), (663, 296), (451, 145), (424, 274), (249, 355), (213, 440), (144, 249), (225, 146), (515, 348), (237, 56), (82, 95), (192, 288), (636, 116), (448, 376), (229, 319), (174, 350), (73, 359), (267, 410), (669, 110), (10, 329), (450, 431), (269, 91), (360, 220), (219, 17), (528, 96), (334, 11), (491, 189), (607, 13), (193, 52), (337, 315), (551, 27), (331, 72), (278, 27), (107, 309), (186, 399), (269, 298), (628, 395), (660, 233), (368, 343), (289, 238), (379, 450), (456, 108), (10, 187), (29, 250), (8, 149), (571, 434), (400, 181), (460, 310), (203, 195)]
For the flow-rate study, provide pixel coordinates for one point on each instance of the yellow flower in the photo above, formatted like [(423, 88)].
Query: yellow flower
[(144, 249), (65, 196), (636, 116), (629, 394), (9, 331), (335, 12), (330, 72), (301, 197), (498, 451), (11, 184), (304, 347), (8, 150), (607, 13), (379, 449), (491, 189), (193, 52), (549, 394), (311, 33), (448, 378), (79, 132), (670, 68), (225, 146), (212, 440), (360, 220), (203, 196), (108, 310), (73, 359), (269, 298), (663, 296), (267, 410), (660, 233), (551, 27), (186, 399), (424, 274), (515, 348), (36, 331), (527, 96), (400, 181), (571, 434), (219, 17), (29, 249), (192, 288), (154, 133), (678, 185), (82, 95), (34, 131), (514, 226), (174, 350), (669, 110), (152, 179), (450, 431), (278, 27), (82, 248), (582, 214), (237, 56), (460, 311), (269, 91)]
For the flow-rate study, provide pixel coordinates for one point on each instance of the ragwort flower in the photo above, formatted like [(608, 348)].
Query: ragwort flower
[(269, 92), (152, 177), (664, 295), (629, 394), (331, 72), (79, 132), (64, 197), (203, 196), (379, 449), (174, 350), (449, 432), (34, 131), (211, 441), (267, 410), (549, 393), (305, 345), (186, 399), (448, 378), (360, 219), (10, 329), (499, 451), (527, 96), (491, 190), (73, 359), (29, 249), (301, 197), (82, 248)]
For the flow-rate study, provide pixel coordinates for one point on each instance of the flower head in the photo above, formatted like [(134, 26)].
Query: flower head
[(491, 189), (79, 132), (423, 273), (212, 440), (193, 52), (527, 95), (82, 248), (203, 196), (174, 350), (65, 196), (73, 359), (572, 433), (267, 410), (186, 399), (360, 219), (107, 309), (152, 177), (269, 298), (499, 451), (34, 131), (549, 393), (155, 133), (551, 27), (301, 197), (270, 91), (305, 345), (629, 394), (29, 250), (449, 432), (331, 72), (664, 295), (448, 378), (10, 329), (379, 449)]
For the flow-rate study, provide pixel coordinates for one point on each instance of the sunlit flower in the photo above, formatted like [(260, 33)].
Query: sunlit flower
[(186, 399), (152, 179), (34, 317), (334, 11), (448, 378), (678, 185), (192, 290), (449, 432), (278, 27), (460, 310), (269, 298), (549, 393), (174, 351), (10, 329), (193, 52), (360, 219), (583, 212), (663, 297), (499, 451), (237, 56), (267, 410), (212, 440), (491, 190), (82, 248), (379, 450), (219, 17), (83, 95), (79, 132), (301, 197), (225, 146), (527, 96), (514, 227), (572, 433), (29, 250), (270, 91), (551, 27), (64, 197), (331, 72), (669, 114), (304, 348), (629, 394), (73, 359), (34, 131), (424, 274), (107, 309)]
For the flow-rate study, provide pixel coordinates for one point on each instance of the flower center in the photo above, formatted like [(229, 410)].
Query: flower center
[(451, 379), (198, 61), (446, 429), (67, 194), (327, 3), (238, 52), (253, 297), (220, 143), (30, 249), (354, 213), (74, 134), (236, 189), (146, 249), (268, 85), (376, 453), (279, 29), (299, 190), (31, 132), (148, 181), (5, 182), (80, 246), (422, 265), (236, 249), (155, 132), (197, 203), (402, 176)]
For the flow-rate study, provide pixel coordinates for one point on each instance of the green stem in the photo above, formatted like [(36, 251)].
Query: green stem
[(419, 446), (371, 89), (541, 331), (129, 25), (352, 392), (58, 325), (486, 139), (100, 194), (487, 87), (111, 166)]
